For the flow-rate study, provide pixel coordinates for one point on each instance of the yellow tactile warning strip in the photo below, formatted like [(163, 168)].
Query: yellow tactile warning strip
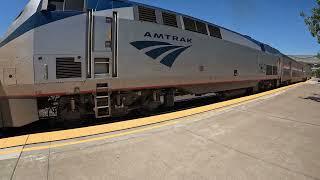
[(57, 145), (13, 141), (107, 128)]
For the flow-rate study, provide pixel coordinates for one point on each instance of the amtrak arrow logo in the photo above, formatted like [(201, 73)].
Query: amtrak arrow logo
[(161, 48)]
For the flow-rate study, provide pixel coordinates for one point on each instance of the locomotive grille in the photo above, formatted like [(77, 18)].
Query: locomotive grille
[(67, 68), (201, 27), (169, 19), (215, 32), (147, 14), (189, 24)]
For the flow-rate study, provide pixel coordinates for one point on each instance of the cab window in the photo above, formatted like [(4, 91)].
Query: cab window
[(66, 5)]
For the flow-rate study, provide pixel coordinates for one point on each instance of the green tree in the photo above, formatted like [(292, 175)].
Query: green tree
[(313, 21), (316, 73)]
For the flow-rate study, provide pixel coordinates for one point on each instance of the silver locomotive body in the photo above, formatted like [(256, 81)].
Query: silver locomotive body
[(70, 59)]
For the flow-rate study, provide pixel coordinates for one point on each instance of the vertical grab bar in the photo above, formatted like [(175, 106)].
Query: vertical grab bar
[(89, 43), (115, 44)]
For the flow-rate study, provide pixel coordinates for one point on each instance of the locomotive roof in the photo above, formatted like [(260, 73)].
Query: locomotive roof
[(93, 4), (33, 7)]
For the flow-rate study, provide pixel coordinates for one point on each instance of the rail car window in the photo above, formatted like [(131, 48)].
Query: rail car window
[(201, 28), (275, 70), (189, 24), (169, 19), (147, 14), (286, 72), (214, 32), (269, 70)]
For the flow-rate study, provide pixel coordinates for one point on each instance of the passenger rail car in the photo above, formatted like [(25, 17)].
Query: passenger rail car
[(73, 58)]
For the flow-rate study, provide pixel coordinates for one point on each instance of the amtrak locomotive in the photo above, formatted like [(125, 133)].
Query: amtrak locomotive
[(73, 58)]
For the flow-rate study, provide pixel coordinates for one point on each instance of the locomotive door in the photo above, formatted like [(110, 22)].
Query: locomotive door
[(104, 46)]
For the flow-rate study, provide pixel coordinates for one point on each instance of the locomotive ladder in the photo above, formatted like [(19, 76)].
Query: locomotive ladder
[(102, 101)]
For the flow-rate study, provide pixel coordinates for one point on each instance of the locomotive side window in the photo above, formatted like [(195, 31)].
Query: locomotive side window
[(66, 5), (74, 5), (101, 67), (147, 14), (56, 5), (201, 28), (214, 31), (19, 15), (262, 47), (189, 24), (169, 19)]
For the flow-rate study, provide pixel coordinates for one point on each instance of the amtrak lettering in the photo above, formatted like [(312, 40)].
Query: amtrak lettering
[(159, 48), (167, 37)]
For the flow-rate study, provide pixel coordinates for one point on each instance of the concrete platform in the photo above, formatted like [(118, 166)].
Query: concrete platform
[(273, 137)]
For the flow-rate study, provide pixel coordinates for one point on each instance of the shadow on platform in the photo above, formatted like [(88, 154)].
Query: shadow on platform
[(315, 97)]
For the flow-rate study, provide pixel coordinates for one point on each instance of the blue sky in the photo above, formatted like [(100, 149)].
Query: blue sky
[(275, 22)]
